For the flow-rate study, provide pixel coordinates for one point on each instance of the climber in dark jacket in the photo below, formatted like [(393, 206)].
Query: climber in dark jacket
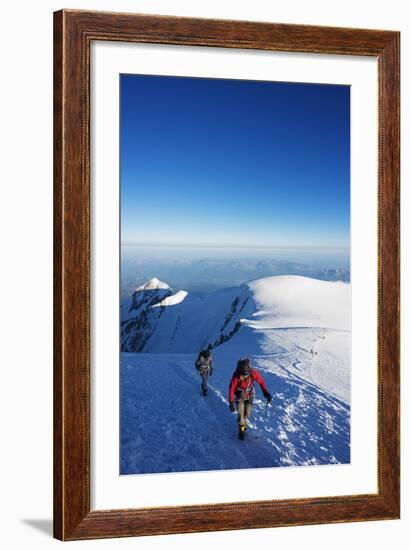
[(242, 392), (203, 365)]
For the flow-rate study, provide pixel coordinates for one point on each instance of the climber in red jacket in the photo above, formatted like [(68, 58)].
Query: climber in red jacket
[(242, 392)]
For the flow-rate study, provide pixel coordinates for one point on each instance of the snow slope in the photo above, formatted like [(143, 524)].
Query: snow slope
[(187, 322), (168, 426), (296, 332), (293, 301), (261, 317)]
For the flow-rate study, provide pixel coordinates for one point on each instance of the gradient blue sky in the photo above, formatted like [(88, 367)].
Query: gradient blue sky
[(209, 162)]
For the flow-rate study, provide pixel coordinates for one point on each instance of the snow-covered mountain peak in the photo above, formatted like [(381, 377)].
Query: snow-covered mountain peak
[(173, 299), (295, 301), (295, 331), (144, 297), (250, 319), (153, 284)]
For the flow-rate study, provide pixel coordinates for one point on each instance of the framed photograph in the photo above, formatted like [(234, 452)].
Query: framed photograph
[(226, 259)]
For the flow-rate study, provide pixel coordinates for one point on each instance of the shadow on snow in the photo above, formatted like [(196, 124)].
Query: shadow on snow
[(167, 426)]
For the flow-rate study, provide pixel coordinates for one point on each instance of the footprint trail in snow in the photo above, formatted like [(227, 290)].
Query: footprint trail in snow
[(168, 426)]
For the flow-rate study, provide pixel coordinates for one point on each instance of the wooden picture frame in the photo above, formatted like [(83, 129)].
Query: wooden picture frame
[(74, 32)]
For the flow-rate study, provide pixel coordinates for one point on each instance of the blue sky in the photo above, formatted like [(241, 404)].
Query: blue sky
[(209, 162)]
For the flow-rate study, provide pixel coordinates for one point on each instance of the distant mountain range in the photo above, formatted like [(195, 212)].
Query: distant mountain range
[(198, 275)]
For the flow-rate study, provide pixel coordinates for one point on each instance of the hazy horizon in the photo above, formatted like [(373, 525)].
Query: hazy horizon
[(203, 269), (223, 181)]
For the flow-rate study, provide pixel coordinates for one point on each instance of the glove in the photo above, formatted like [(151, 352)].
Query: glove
[(232, 406), (267, 396)]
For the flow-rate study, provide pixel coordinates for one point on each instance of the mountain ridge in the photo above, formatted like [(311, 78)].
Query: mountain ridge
[(295, 332), (156, 319)]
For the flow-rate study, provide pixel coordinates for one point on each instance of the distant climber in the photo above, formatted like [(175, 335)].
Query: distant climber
[(203, 365), (242, 392)]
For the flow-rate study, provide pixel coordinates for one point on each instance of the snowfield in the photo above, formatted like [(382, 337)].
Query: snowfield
[(295, 330)]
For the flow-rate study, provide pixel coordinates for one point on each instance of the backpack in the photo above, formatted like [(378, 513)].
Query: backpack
[(202, 364), (247, 393)]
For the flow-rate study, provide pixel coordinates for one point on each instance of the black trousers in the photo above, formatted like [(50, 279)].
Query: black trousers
[(204, 383)]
